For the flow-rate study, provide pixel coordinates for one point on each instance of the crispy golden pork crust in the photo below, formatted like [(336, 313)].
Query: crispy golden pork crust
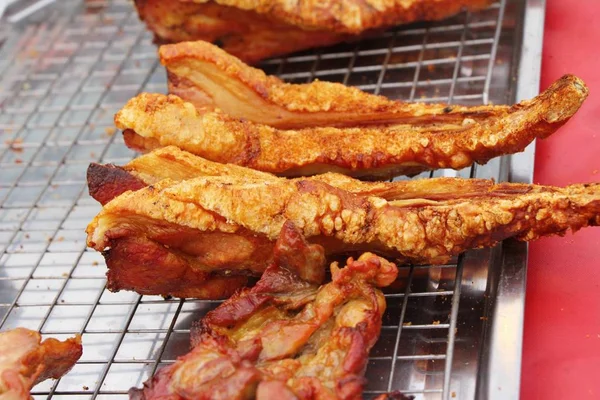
[(209, 78), (25, 361), (285, 338), (254, 30), (226, 226), (247, 34), (155, 120), (106, 182), (353, 16)]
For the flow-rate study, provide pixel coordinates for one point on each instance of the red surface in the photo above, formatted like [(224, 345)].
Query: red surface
[(561, 349)]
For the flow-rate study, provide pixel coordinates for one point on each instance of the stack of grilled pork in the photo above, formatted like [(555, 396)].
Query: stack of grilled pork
[(248, 187), (245, 177)]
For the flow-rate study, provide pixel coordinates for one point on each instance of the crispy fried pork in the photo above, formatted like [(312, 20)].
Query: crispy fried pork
[(155, 120), (247, 34), (106, 182), (25, 361), (353, 16), (209, 78), (163, 269), (284, 338), (158, 237), (257, 29)]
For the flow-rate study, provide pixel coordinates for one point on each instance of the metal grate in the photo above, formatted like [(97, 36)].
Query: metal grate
[(67, 69)]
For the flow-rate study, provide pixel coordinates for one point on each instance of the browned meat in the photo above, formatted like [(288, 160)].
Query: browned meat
[(106, 182), (246, 34), (155, 120), (226, 226), (353, 16), (25, 361), (209, 78), (284, 338), (257, 29)]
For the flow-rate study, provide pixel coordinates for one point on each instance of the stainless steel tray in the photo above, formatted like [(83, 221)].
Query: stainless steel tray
[(65, 69)]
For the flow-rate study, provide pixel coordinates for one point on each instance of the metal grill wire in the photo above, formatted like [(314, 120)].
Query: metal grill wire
[(63, 79)]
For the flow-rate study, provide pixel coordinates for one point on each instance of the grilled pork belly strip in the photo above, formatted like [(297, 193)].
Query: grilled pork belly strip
[(26, 361), (106, 182), (253, 30), (209, 78), (284, 338), (353, 16), (155, 120), (226, 226), (248, 35), (148, 265)]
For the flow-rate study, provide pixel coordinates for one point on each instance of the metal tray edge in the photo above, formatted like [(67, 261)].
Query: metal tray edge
[(500, 371)]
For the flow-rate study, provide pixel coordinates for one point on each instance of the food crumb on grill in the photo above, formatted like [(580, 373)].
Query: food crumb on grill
[(15, 145), (436, 322)]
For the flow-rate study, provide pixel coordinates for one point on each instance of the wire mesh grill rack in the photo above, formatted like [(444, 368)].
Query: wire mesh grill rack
[(68, 68)]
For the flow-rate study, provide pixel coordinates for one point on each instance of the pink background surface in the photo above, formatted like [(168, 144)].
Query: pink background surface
[(561, 349)]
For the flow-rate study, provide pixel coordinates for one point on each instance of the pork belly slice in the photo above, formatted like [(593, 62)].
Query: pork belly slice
[(254, 30), (210, 78), (183, 262), (227, 226), (353, 16), (248, 35), (26, 361), (151, 121), (107, 181), (284, 338)]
